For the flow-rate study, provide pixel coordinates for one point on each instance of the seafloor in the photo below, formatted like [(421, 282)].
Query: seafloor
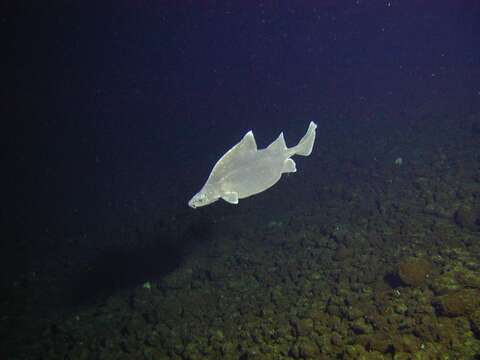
[(356, 256)]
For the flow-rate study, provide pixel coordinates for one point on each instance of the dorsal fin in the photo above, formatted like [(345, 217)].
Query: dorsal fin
[(278, 145), (248, 143), (236, 155), (244, 146)]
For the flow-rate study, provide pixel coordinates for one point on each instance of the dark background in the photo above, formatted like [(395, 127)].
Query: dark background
[(114, 114)]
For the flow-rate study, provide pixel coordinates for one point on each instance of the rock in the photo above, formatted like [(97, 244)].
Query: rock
[(370, 275), (446, 283), (356, 351), (359, 326), (305, 348), (414, 272), (343, 253), (336, 340), (353, 313), (475, 322), (303, 327), (460, 303), (375, 342), (468, 278), (406, 343), (380, 343), (467, 218), (334, 310), (308, 349)]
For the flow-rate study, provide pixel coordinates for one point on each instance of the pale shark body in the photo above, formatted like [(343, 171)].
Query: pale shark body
[(244, 170)]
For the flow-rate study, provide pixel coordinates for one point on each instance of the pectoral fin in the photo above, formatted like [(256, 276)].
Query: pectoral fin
[(230, 197), (289, 166)]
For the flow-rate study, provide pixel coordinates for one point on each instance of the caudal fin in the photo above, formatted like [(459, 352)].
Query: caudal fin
[(305, 145)]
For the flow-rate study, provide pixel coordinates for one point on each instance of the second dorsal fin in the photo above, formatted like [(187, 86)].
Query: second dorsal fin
[(278, 145)]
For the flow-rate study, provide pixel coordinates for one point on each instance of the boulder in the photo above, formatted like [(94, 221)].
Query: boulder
[(460, 303), (413, 271)]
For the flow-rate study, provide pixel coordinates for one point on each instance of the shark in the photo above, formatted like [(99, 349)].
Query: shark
[(244, 170)]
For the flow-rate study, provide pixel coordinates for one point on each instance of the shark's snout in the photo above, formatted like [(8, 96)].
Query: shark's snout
[(198, 200), (191, 203)]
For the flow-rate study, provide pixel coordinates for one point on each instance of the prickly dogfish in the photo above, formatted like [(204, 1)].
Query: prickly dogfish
[(245, 171)]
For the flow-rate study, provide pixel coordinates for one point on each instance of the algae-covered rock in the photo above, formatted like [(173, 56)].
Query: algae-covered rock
[(414, 272), (375, 342), (191, 352), (459, 303), (406, 343), (467, 218), (278, 297), (353, 313), (401, 356), (468, 278), (303, 327), (475, 322), (446, 283), (354, 352), (343, 253), (336, 339), (305, 348), (360, 326), (308, 349)]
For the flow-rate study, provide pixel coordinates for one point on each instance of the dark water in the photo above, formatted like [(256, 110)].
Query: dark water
[(113, 117)]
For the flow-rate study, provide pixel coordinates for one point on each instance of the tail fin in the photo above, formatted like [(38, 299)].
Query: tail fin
[(305, 145)]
